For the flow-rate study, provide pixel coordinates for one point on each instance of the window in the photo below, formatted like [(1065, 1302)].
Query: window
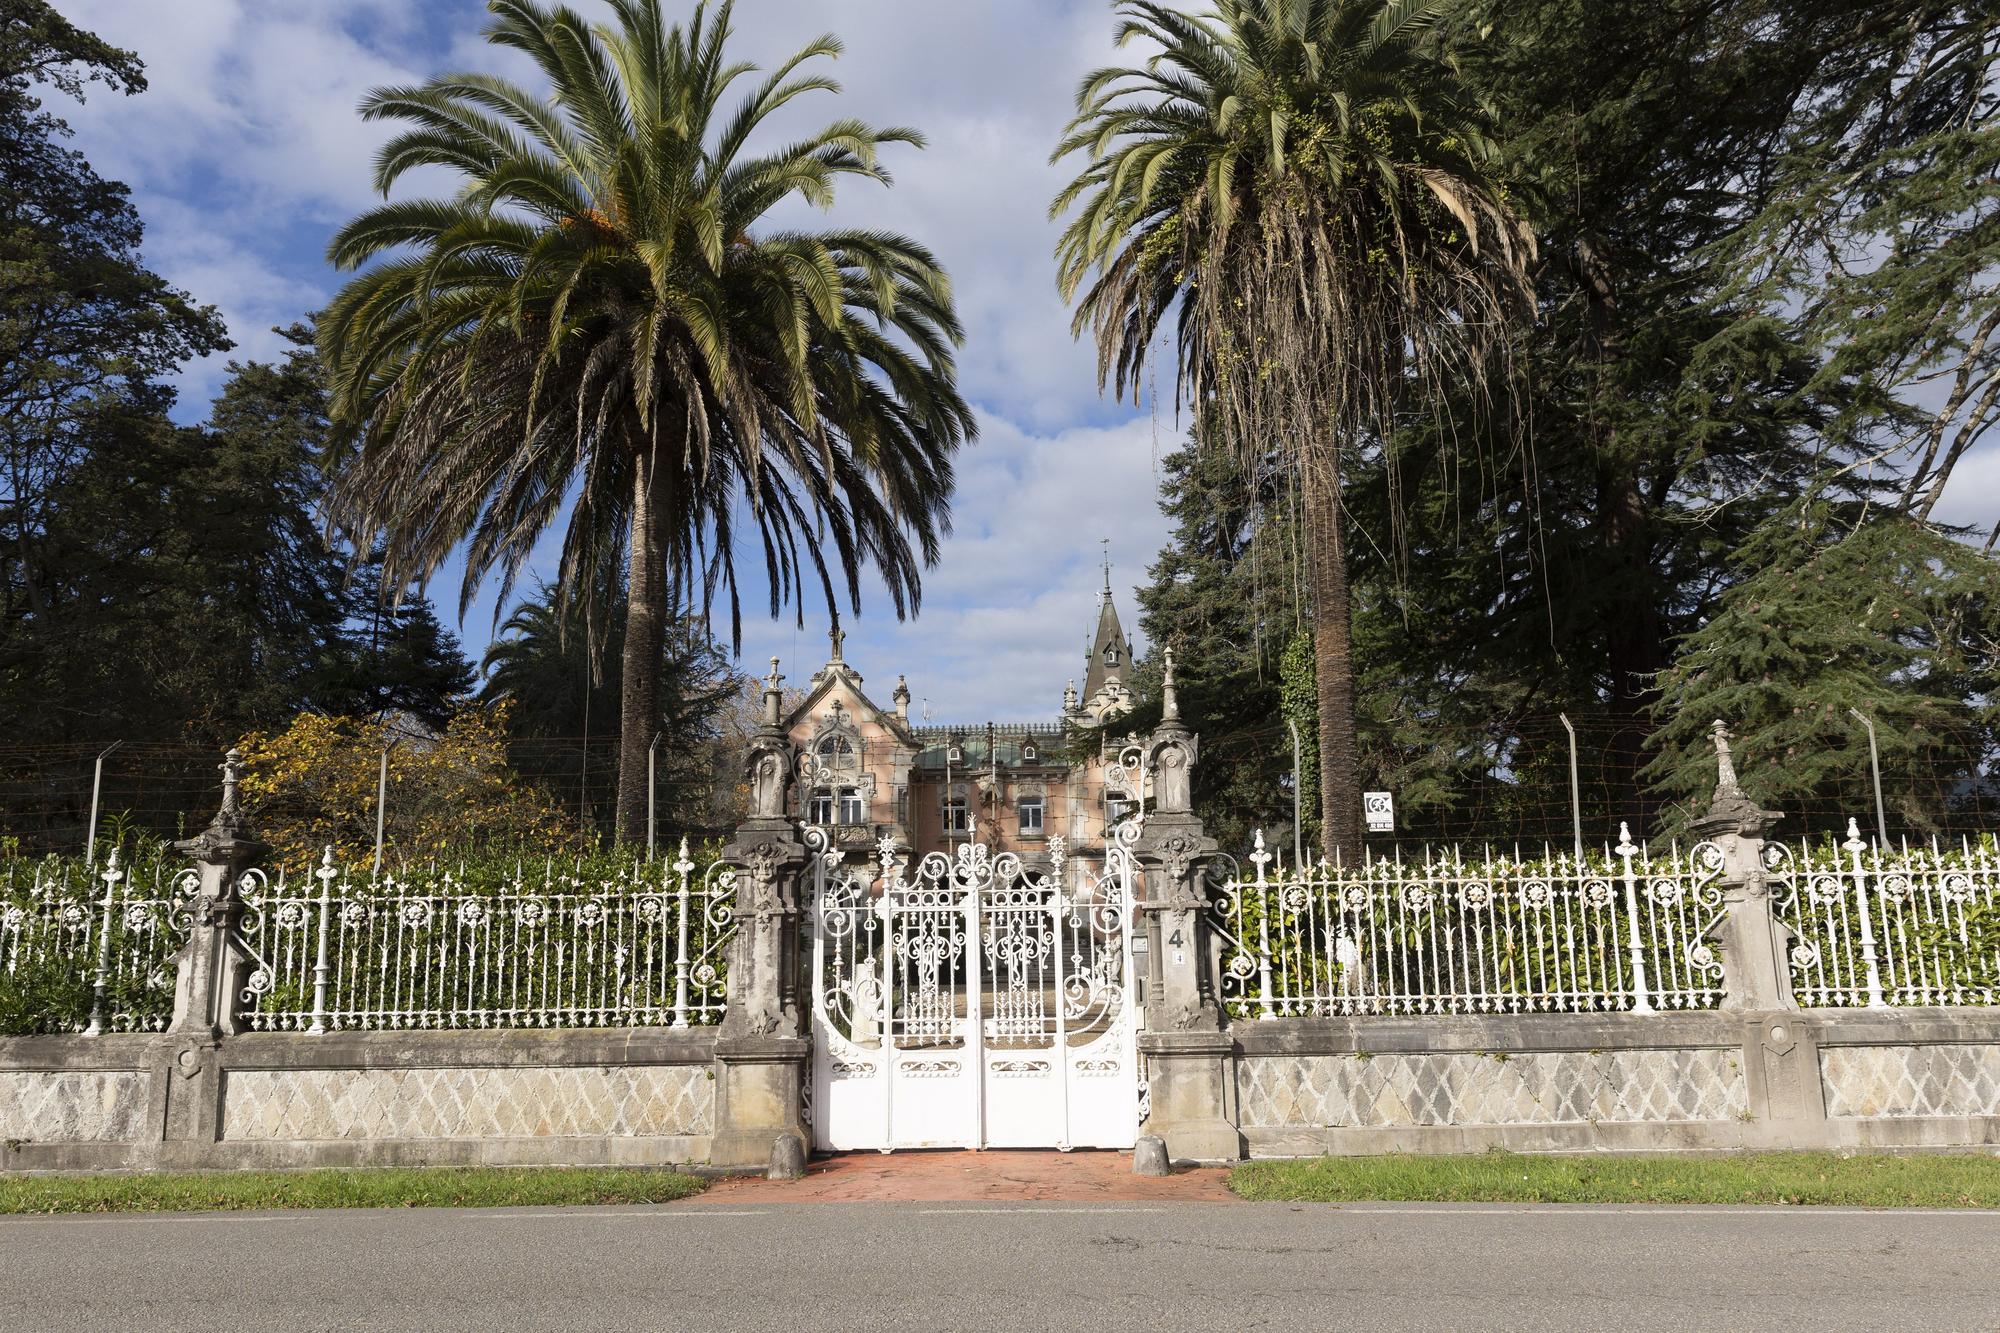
[(956, 818), (819, 811), (1031, 816), (1029, 754), (1117, 805), (835, 754), (954, 755), (1111, 654), (850, 807)]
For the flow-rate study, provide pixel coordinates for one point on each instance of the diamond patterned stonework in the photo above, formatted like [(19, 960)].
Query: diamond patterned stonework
[(72, 1108), (1470, 1089), (466, 1103), (1953, 1079)]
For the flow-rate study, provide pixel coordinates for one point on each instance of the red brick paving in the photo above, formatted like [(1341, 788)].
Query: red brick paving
[(993, 1176)]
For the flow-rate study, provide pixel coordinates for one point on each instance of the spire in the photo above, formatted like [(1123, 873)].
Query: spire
[(1110, 653)]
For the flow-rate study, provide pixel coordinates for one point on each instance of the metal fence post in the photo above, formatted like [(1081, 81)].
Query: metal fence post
[(683, 867), (652, 792), (1875, 768), (1854, 847), (326, 874), (101, 978), (96, 786), (1641, 1003), (1298, 808), (1575, 790), (1260, 858), (381, 806)]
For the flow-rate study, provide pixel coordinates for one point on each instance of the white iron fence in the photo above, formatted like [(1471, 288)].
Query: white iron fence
[(1447, 935), (642, 947), (93, 951), (1883, 926)]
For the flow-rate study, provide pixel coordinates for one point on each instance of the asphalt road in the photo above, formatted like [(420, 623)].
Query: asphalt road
[(1214, 1267)]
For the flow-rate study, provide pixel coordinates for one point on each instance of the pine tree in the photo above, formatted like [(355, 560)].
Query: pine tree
[(1838, 609)]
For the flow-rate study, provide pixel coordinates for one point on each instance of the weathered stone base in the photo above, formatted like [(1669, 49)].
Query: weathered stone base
[(1822, 1079), (1192, 1095), (357, 1099), (760, 1098)]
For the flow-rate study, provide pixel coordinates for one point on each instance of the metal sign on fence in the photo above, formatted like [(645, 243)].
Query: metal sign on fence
[(1379, 808)]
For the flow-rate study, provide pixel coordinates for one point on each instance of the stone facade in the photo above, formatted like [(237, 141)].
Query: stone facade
[(586, 1097), (90, 1106), (1949, 1079), (305, 1105), (1464, 1088)]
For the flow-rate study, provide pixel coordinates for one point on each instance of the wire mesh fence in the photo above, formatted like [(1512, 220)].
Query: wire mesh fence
[(156, 790), (1507, 785)]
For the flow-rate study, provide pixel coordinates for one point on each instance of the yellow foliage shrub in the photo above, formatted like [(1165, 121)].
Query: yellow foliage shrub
[(314, 783)]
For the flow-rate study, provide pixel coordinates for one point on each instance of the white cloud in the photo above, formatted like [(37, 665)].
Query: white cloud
[(1972, 497), (1008, 611)]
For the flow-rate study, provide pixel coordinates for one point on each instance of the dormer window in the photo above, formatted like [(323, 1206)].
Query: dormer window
[(1111, 654), (955, 754), (1029, 754)]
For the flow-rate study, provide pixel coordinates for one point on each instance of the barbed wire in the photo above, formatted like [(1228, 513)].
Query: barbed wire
[(1506, 785)]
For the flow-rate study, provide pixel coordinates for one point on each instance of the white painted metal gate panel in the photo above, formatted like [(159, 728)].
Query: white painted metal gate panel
[(979, 1003)]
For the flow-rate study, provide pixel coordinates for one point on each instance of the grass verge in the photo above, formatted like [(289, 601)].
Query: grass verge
[(1869, 1180), (432, 1187)]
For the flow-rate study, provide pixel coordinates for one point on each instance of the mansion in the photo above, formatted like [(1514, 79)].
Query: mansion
[(869, 773)]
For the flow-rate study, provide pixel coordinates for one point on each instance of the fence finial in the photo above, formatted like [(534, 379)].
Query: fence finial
[(1725, 765), (1729, 810), (1170, 704), (232, 773)]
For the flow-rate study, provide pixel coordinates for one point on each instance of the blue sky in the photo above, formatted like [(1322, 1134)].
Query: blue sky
[(246, 152)]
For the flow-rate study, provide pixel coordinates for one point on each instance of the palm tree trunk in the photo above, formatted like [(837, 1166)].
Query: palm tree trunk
[(645, 644), (1333, 667)]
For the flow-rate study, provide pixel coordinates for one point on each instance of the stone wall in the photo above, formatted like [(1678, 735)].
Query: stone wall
[(1800, 1079), (364, 1098)]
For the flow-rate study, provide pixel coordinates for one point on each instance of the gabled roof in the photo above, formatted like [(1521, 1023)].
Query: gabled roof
[(835, 673)]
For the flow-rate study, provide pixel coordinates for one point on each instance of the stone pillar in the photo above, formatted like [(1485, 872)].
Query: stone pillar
[(1756, 973), (210, 971), (1185, 1045), (761, 1048), (1780, 1050)]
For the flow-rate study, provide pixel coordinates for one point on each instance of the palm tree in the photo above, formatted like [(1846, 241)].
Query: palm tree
[(1305, 190), (601, 322), (544, 673)]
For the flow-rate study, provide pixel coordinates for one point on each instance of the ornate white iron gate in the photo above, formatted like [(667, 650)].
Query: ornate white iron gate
[(980, 1003)]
